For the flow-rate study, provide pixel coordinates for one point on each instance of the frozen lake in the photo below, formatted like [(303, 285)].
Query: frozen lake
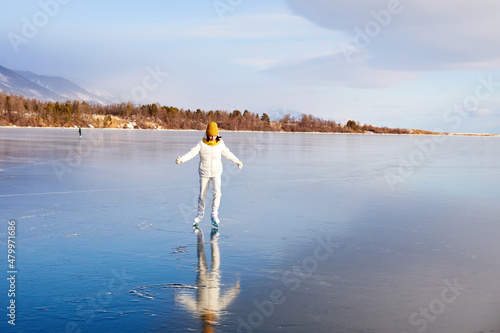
[(319, 233)]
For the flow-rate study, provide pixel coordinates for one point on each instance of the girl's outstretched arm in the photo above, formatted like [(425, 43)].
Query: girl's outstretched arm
[(189, 155), (230, 156)]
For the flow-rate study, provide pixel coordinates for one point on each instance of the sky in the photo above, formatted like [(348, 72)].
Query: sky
[(427, 64)]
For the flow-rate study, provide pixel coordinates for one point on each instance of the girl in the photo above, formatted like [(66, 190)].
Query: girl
[(210, 150)]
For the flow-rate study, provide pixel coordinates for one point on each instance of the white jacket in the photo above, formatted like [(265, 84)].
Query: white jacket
[(210, 158)]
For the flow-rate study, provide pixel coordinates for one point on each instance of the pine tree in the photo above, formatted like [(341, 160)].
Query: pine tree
[(265, 119)]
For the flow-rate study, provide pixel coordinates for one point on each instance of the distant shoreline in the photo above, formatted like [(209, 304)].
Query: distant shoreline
[(418, 133), (18, 111)]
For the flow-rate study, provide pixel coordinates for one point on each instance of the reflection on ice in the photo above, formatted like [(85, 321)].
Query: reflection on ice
[(208, 303)]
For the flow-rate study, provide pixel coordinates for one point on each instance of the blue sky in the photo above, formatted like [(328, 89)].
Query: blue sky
[(400, 63)]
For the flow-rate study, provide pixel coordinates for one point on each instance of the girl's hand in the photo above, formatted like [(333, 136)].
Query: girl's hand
[(178, 160), (240, 164)]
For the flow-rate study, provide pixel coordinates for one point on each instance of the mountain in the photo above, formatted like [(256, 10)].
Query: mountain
[(42, 87), (16, 84), (63, 87), (277, 114)]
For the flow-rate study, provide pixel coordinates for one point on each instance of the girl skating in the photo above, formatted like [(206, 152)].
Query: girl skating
[(211, 149)]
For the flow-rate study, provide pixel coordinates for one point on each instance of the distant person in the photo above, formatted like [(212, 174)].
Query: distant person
[(80, 130), (210, 149)]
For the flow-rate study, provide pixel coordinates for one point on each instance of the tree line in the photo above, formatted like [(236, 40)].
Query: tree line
[(20, 111)]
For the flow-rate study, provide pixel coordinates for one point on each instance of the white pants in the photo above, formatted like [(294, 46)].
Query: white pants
[(216, 188)]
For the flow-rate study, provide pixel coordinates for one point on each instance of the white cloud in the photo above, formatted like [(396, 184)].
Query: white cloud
[(260, 64), (419, 35), (253, 26), (332, 69), (482, 112)]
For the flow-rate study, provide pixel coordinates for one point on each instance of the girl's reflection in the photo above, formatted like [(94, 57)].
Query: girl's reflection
[(208, 303)]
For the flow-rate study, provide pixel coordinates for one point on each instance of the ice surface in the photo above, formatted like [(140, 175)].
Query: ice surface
[(319, 233)]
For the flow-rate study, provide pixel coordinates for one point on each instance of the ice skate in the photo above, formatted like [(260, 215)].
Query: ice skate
[(198, 217), (215, 219), (214, 235), (196, 229)]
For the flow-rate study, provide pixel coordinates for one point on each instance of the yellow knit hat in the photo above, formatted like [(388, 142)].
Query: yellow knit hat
[(212, 129)]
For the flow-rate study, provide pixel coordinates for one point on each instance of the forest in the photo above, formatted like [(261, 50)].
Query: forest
[(23, 112)]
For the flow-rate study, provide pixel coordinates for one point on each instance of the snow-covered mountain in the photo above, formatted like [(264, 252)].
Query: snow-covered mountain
[(42, 87), (13, 83), (277, 114)]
